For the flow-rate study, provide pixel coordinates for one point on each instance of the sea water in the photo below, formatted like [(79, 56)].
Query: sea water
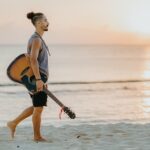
[(101, 84)]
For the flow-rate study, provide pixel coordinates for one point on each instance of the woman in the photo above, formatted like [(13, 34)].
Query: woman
[(38, 52)]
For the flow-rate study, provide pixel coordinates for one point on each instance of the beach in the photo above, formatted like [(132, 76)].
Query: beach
[(107, 87), (96, 55), (117, 118), (124, 136)]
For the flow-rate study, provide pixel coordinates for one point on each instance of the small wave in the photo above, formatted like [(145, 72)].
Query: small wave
[(9, 84), (95, 82), (82, 82)]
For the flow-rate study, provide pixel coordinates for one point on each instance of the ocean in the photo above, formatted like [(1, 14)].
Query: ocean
[(101, 83)]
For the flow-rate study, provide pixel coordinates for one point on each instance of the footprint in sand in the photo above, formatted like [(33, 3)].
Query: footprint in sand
[(83, 136)]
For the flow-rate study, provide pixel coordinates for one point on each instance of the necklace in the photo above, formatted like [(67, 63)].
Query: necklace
[(44, 44)]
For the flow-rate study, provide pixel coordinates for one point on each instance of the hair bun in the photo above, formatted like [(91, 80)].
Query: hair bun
[(30, 15)]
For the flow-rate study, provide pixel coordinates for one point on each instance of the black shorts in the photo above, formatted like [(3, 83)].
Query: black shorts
[(39, 99)]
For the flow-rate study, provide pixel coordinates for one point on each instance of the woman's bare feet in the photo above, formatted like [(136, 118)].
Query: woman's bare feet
[(12, 126)]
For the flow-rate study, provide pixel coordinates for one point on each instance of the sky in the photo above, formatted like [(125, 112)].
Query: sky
[(78, 21)]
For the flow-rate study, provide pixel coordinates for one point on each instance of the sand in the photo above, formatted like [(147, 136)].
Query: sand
[(118, 136)]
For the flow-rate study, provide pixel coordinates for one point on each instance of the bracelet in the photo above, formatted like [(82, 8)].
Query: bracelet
[(37, 79)]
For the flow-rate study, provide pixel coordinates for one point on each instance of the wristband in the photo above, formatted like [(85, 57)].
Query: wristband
[(37, 79)]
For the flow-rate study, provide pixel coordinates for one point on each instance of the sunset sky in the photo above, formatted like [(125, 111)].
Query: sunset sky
[(78, 21)]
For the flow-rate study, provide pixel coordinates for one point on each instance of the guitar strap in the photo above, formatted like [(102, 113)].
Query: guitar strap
[(44, 44)]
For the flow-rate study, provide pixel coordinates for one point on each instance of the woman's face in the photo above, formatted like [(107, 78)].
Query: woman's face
[(43, 23)]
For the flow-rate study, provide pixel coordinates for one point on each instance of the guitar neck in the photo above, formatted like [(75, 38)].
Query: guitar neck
[(49, 93)]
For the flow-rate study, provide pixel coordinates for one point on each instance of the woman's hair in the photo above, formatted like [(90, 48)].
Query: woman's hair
[(34, 16)]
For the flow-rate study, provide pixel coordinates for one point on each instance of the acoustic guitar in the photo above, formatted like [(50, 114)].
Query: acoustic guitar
[(21, 72)]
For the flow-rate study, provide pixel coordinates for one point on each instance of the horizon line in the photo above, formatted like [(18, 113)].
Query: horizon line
[(75, 44)]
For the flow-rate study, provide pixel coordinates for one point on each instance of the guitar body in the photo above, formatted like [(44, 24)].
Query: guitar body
[(20, 71)]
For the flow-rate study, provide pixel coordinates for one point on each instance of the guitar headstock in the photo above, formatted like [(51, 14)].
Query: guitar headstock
[(69, 112)]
